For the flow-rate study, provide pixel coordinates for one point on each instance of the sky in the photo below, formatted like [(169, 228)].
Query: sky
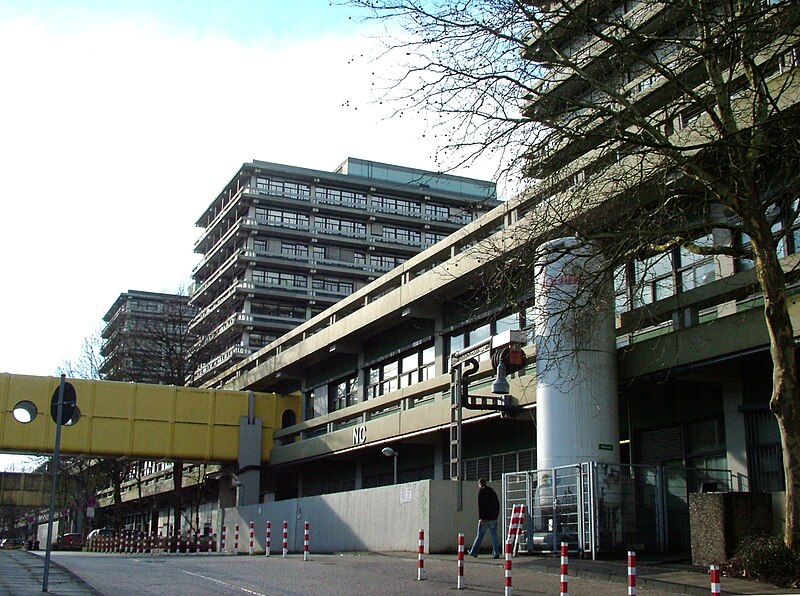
[(120, 121)]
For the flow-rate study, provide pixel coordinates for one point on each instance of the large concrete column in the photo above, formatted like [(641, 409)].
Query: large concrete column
[(248, 476), (576, 376)]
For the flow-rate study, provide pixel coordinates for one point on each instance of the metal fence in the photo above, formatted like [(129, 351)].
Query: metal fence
[(601, 508), (595, 508)]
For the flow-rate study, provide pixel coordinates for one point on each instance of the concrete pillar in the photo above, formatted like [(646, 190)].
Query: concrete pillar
[(735, 439), (248, 477)]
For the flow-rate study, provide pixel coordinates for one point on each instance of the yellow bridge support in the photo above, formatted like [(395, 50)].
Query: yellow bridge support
[(139, 421)]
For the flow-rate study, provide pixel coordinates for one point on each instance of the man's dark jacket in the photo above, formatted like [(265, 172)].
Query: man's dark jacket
[(488, 503)]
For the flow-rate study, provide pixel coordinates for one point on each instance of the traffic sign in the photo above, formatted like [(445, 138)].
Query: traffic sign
[(68, 406)]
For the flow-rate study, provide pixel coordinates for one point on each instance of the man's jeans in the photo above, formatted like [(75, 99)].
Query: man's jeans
[(483, 525)]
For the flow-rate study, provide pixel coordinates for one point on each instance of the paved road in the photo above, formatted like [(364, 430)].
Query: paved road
[(122, 575)]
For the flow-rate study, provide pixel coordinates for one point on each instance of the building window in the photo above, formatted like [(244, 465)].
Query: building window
[(343, 393), (412, 367), (437, 211), (432, 238), (294, 250), (402, 235), (341, 226), (347, 198), (283, 187), (259, 340), (764, 456), (385, 261), (395, 205), (696, 269), (654, 279), (279, 278), (283, 311), (332, 285), (281, 218)]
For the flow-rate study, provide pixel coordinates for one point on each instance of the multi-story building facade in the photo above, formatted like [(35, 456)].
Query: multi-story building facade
[(693, 362), (282, 243), (146, 338)]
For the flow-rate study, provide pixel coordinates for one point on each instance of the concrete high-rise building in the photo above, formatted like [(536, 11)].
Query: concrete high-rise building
[(146, 338), (281, 244)]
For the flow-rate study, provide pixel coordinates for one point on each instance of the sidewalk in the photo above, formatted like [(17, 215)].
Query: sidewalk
[(22, 574), (667, 576)]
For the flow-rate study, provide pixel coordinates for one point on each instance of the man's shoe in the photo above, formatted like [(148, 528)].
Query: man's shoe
[(471, 555), (496, 557)]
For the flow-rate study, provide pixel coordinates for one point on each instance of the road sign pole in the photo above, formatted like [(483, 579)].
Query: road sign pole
[(53, 482)]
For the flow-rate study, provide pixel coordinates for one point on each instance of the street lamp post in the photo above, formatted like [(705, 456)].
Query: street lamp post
[(389, 452)]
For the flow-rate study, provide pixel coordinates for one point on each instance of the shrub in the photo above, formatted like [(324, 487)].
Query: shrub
[(766, 558)]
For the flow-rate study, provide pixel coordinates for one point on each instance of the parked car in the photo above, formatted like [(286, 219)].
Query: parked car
[(69, 542), (97, 533), (12, 543)]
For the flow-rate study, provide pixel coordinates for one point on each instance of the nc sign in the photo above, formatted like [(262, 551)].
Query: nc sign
[(359, 435)]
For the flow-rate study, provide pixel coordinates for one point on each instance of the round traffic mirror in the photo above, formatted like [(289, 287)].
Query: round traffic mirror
[(24, 411)]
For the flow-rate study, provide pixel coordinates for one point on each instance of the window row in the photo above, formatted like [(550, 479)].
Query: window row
[(414, 367), (279, 278), (342, 197), (342, 226), (401, 234), (283, 187), (277, 309), (322, 253), (281, 217)]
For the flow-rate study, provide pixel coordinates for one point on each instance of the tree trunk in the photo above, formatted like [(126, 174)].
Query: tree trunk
[(784, 401)]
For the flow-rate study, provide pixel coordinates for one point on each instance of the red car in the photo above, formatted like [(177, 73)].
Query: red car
[(69, 542)]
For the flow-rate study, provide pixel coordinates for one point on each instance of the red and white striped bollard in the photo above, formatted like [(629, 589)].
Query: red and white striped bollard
[(236, 539), (631, 573), (269, 538), (716, 589), (305, 541), (251, 548), (421, 556), (222, 540), (285, 538), (564, 589), (509, 545), (460, 580)]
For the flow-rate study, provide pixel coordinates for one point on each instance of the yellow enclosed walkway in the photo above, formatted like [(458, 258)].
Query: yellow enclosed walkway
[(139, 421)]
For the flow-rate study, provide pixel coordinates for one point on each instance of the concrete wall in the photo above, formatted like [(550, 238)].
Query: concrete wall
[(377, 519)]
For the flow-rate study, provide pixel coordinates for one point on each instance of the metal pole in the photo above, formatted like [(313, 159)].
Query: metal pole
[(395, 467), (53, 482)]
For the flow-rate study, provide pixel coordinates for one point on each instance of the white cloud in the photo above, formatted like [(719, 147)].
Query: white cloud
[(116, 137)]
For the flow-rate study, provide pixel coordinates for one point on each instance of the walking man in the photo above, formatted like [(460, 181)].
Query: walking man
[(488, 510)]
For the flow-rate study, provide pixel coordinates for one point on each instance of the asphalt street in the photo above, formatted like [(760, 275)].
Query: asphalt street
[(345, 574)]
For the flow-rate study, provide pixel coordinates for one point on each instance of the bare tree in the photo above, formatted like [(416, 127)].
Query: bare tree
[(640, 126), (89, 361)]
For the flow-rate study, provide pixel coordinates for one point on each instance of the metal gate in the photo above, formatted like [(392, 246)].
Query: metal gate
[(593, 507)]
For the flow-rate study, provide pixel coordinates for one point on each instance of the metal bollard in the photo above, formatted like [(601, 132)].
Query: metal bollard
[(421, 556), (285, 538), (631, 573), (269, 538), (716, 589), (508, 590), (460, 579)]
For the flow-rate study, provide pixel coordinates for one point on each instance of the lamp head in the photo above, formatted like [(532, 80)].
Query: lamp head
[(389, 452), (500, 385)]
